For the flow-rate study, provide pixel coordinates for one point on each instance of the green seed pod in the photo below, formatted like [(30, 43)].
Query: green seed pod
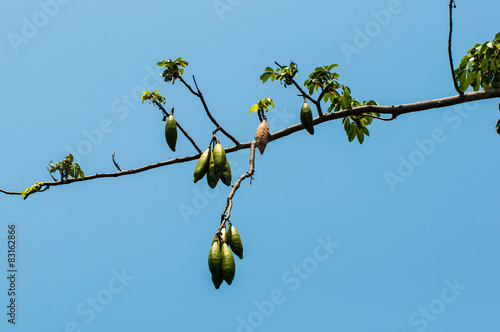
[(219, 158), (171, 132), (226, 175), (306, 118), (234, 241), (215, 260), (217, 280), (202, 166), (212, 176), (228, 267)]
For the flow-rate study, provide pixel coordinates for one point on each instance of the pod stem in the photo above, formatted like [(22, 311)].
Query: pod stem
[(216, 130), (213, 141), (229, 204)]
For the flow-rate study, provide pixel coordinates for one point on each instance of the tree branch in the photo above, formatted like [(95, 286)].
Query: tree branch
[(395, 111), (455, 83), (205, 106), (227, 210)]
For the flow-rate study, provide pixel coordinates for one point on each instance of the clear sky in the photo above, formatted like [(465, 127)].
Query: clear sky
[(330, 243)]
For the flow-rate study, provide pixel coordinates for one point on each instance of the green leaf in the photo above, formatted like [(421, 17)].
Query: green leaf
[(352, 131), (484, 64), (464, 83), (346, 103), (477, 81), (254, 108), (347, 124), (361, 137), (264, 77)]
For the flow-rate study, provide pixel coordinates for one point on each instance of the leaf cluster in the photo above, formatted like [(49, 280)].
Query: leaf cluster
[(153, 97), (31, 190), (283, 74), (174, 69), (480, 67), (262, 105), (67, 168), (355, 126), (324, 79)]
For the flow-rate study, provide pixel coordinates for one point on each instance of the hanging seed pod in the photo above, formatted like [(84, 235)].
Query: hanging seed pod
[(228, 266), (217, 280), (202, 166), (306, 118), (219, 158), (171, 132), (262, 136), (235, 241), (225, 177), (215, 260), (212, 176), (498, 127)]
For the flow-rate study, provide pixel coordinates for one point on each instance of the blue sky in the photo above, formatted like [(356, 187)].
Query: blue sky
[(330, 243)]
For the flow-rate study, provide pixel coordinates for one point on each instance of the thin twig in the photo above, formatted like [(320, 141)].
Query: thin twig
[(455, 83), (114, 161), (10, 192), (394, 111), (227, 210), (189, 87), (179, 126), (202, 99), (51, 174)]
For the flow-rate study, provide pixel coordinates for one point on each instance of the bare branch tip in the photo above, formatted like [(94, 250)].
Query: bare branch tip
[(114, 161)]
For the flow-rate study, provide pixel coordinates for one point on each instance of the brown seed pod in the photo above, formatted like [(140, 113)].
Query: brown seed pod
[(498, 127), (262, 136)]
